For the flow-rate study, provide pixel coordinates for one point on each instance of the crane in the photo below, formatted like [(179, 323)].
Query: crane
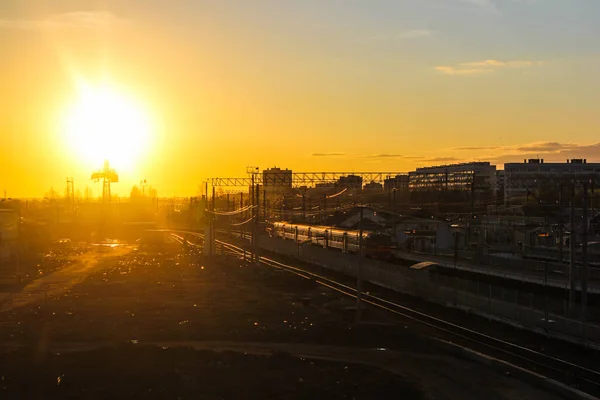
[(107, 175)]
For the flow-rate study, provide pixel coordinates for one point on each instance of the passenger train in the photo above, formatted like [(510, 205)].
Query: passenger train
[(375, 244)]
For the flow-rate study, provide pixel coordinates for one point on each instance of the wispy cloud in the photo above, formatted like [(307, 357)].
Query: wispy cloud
[(500, 64), (485, 66), (328, 154), (477, 148), (550, 151), (462, 71), (76, 19), (385, 155), (540, 147), (442, 159), (547, 147)]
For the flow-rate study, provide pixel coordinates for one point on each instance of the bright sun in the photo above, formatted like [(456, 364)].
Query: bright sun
[(104, 124)]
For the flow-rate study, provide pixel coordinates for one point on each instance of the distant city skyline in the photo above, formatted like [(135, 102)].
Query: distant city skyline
[(190, 90)]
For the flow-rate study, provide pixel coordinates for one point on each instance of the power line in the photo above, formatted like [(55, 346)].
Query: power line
[(229, 213), (244, 222)]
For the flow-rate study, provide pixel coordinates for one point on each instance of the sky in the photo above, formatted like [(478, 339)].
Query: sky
[(311, 85)]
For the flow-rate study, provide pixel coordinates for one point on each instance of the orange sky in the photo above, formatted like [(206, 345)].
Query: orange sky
[(312, 86)]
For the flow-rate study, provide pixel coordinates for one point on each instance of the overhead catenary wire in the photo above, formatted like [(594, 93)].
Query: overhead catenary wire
[(244, 222), (229, 213), (336, 194)]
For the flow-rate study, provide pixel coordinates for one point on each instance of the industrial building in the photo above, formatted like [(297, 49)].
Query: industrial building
[(478, 176), (398, 182), (350, 182), (373, 187), (277, 180), (521, 179)]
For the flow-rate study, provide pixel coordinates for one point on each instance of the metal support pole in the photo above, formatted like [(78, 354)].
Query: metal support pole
[(394, 233), (469, 227), (243, 217), (304, 207), (19, 243), (592, 199), (213, 219), (584, 259), (256, 220), (264, 203), (207, 227), (546, 296), (324, 209), (257, 191), (561, 225), (253, 222), (358, 269), (572, 266)]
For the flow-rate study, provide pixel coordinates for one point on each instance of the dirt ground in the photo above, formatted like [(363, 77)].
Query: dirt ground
[(152, 300), (156, 372)]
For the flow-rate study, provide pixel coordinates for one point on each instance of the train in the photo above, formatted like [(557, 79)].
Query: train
[(377, 245)]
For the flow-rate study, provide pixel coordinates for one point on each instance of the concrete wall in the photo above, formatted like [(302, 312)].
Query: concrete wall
[(491, 301)]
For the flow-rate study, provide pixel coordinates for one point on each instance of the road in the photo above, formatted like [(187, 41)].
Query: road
[(56, 283)]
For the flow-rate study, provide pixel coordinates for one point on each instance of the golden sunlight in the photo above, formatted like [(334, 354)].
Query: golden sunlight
[(106, 124)]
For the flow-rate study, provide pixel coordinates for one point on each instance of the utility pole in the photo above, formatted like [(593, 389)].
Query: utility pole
[(395, 235), (561, 225), (264, 203), (243, 217), (213, 220), (584, 259), (19, 242), (358, 268), (324, 209), (257, 191), (256, 226), (304, 207), (253, 213), (470, 231), (593, 180), (546, 296), (572, 286), (207, 225), (229, 218)]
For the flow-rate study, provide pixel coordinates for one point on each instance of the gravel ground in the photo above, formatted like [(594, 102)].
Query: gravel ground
[(154, 372), (110, 298)]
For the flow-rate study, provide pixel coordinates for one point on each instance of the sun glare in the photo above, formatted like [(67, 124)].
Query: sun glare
[(105, 124)]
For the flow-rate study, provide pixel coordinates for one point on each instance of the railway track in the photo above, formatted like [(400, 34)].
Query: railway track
[(581, 379)]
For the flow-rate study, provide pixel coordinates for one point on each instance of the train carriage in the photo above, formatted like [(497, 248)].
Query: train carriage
[(376, 244)]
